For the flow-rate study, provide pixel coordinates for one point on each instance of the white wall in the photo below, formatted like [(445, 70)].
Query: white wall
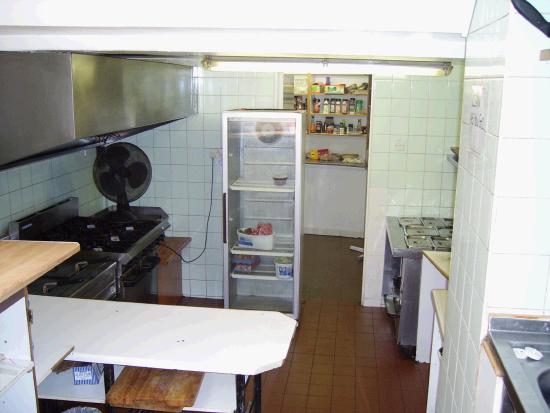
[(414, 122), (29, 188), (334, 200), (502, 193), (181, 156)]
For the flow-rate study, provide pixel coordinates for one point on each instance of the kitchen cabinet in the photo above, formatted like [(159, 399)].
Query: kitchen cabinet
[(259, 146), (439, 300), (434, 275), (490, 388), (22, 262)]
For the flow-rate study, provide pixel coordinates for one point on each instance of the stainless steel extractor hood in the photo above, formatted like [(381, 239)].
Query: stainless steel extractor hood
[(51, 101)]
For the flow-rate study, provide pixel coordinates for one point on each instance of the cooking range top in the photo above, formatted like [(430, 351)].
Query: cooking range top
[(99, 235)]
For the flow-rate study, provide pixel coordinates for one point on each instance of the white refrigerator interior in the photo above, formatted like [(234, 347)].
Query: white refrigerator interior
[(263, 181)]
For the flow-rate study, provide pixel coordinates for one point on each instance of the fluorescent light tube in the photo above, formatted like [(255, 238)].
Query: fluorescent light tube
[(327, 66)]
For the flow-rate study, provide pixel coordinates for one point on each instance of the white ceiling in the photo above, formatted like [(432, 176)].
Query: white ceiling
[(279, 27)]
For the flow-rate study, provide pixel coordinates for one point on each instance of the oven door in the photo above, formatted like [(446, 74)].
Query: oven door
[(137, 280)]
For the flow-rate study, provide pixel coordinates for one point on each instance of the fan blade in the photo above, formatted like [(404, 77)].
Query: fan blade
[(137, 174), (110, 183), (117, 153)]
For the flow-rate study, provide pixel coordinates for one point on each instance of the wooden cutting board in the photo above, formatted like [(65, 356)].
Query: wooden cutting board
[(155, 389)]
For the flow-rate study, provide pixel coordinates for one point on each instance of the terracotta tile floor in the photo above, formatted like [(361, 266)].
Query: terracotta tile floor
[(344, 359)]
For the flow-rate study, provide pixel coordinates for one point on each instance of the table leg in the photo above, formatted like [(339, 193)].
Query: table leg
[(241, 390), (258, 393), (109, 379)]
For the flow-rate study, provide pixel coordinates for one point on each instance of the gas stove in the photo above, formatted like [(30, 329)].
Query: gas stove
[(130, 246)]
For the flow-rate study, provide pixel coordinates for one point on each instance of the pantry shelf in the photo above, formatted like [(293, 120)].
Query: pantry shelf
[(349, 135), (262, 272), (10, 371), (337, 163), (339, 94), (261, 186), (340, 115)]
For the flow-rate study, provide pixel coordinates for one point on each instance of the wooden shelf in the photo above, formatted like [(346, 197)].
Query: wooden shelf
[(349, 135), (337, 163), (340, 115), (261, 186)]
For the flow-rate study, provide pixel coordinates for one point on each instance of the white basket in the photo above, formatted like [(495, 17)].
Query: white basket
[(259, 242), (284, 271)]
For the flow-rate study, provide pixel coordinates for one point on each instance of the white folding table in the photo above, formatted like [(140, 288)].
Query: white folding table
[(219, 341)]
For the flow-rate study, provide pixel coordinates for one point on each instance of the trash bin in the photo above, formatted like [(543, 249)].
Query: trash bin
[(82, 409)]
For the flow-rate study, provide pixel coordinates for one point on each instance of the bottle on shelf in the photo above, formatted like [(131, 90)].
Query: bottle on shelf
[(327, 80), (352, 106), (333, 106), (326, 107), (338, 106), (359, 126), (312, 125), (359, 106), (316, 105), (345, 106)]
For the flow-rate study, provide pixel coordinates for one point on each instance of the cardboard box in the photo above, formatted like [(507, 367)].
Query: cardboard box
[(87, 373)]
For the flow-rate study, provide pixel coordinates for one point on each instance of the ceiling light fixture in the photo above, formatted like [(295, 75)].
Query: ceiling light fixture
[(326, 66)]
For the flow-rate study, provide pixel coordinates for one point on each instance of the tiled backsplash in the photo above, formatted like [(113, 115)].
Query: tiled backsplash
[(29, 188), (181, 154), (415, 120)]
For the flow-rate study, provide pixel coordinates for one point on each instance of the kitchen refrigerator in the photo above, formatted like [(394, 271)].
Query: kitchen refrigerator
[(262, 191)]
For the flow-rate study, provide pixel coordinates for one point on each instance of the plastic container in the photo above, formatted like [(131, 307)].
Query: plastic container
[(280, 180), (284, 268), (259, 242)]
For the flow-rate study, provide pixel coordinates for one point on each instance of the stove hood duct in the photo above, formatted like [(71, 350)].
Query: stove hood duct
[(52, 102)]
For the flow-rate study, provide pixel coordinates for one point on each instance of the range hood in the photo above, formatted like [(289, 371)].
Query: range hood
[(52, 102)]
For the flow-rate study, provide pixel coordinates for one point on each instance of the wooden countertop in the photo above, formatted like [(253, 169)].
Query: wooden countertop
[(439, 299), (492, 356), (177, 244), (22, 262), (441, 260)]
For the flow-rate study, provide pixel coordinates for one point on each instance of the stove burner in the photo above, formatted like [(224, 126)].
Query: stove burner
[(99, 235)]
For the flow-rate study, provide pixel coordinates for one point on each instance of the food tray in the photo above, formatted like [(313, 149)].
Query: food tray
[(434, 222), (405, 221), (424, 243), (418, 230)]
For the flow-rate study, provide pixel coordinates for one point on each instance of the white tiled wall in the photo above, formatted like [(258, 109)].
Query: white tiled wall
[(181, 153), (501, 194), (415, 120), (29, 188)]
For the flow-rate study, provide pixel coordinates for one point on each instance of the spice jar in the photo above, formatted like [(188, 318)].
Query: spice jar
[(333, 106)]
